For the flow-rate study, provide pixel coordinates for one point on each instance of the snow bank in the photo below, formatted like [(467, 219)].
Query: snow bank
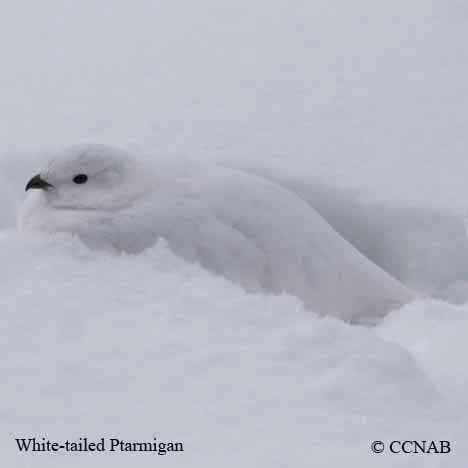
[(136, 346), (435, 334)]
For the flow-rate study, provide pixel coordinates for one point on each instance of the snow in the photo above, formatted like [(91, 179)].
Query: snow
[(365, 96), (435, 335), (163, 347)]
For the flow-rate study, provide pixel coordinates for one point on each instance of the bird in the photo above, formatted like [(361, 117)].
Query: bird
[(240, 225)]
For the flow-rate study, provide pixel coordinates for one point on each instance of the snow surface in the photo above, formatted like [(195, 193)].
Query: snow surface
[(163, 347), (365, 95)]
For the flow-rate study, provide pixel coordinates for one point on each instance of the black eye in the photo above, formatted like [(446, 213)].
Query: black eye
[(80, 179)]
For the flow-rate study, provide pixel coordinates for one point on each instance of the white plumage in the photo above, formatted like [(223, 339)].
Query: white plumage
[(245, 227)]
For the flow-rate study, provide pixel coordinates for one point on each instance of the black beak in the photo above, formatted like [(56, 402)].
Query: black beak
[(38, 183)]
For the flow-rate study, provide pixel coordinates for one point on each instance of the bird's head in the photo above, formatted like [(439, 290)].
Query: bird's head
[(88, 177)]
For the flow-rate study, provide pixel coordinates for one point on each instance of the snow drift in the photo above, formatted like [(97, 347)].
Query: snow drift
[(101, 345)]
